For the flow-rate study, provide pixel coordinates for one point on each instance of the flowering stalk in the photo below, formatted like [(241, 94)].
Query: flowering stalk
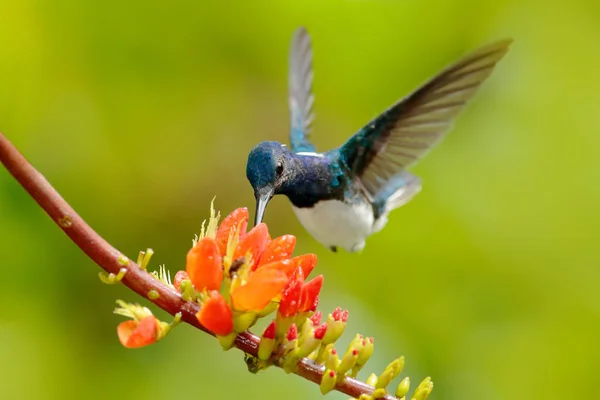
[(178, 298)]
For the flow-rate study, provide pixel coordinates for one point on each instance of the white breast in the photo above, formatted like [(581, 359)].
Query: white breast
[(334, 223)]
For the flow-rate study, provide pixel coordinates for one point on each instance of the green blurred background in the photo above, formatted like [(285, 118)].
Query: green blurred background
[(140, 112)]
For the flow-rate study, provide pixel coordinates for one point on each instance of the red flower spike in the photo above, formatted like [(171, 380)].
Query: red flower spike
[(215, 315), (134, 334), (204, 265), (231, 222), (180, 276), (252, 243), (316, 318), (292, 333), (270, 331), (261, 287), (337, 314), (344, 315), (292, 295), (307, 262), (320, 331), (310, 294), (280, 248)]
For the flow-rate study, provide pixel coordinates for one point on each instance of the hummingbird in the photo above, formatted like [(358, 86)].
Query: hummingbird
[(344, 195)]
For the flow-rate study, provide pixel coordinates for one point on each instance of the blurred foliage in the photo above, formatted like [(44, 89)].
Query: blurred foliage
[(140, 112)]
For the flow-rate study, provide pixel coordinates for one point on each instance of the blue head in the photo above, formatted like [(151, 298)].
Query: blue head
[(268, 169)]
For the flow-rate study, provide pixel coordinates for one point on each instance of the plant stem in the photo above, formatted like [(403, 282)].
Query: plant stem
[(136, 279)]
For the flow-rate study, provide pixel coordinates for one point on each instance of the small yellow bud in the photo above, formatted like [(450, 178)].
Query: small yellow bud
[(328, 381), (403, 387), (365, 346), (372, 380), (390, 372), (333, 361), (384, 379), (423, 390), (378, 393), (348, 361)]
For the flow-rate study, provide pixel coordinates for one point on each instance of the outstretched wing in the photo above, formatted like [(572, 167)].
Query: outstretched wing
[(407, 130), (301, 97)]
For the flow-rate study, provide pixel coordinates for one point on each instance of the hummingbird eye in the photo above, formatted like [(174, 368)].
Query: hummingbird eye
[(279, 168)]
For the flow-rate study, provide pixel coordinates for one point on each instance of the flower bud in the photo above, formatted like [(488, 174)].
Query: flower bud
[(267, 342), (423, 390), (336, 323), (348, 361), (328, 381), (311, 340), (403, 387)]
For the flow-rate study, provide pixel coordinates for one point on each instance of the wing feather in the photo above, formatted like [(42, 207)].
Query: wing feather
[(301, 98), (405, 132)]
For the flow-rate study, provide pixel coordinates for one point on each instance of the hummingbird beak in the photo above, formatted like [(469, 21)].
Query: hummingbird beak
[(262, 199)]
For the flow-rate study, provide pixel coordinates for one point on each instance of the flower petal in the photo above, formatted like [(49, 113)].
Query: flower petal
[(232, 221), (310, 294), (253, 243), (307, 262), (204, 265), (280, 248), (291, 296), (286, 266), (262, 286), (133, 334), (215, 315)]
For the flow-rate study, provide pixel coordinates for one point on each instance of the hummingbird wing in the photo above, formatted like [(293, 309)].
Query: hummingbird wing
[(300, 86), (406, 131)]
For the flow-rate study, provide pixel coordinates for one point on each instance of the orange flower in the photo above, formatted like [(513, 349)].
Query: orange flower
[(134, 333), (280, 248), (238, 218), (307, 262), (258, 269), (286, 266), (215, 315), (252, 244), (262, 286), (204, 265)]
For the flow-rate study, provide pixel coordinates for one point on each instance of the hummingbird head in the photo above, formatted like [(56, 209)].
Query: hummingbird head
[(268, 169)]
